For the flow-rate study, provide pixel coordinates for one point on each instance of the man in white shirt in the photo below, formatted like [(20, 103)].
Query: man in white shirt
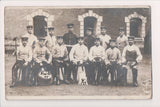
[(24, 57), (104, 38), (112, 61), (51, 40), (131, 56), (32, 39), (39, 55), (121, 39), (97, 56), (78, 55), (60, 59)]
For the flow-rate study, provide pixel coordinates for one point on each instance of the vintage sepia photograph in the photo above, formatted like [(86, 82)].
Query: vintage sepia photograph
[(94, 52)]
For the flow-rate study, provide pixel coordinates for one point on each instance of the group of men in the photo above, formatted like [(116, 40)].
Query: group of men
[(100, 55)]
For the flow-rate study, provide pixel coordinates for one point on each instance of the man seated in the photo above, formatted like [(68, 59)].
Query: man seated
[(97, 56), (60, 60), (112, 61), (24, 57), (39, 55), (78, 56), (131, 56)]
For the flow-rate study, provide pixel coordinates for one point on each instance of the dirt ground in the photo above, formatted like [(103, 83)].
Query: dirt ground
[(144, 88)]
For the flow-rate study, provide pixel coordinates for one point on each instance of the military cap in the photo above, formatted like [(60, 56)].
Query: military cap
[(41, 38), (103, 27), (97, 38), (89, 28), (24, 37), (70, 25), (29, 26), (131, 38), (112, 40), (51, 28), (121, 29), (80, 37), (59, 37)]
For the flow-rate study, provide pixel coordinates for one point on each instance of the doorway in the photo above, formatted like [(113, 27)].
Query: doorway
[(135, 27), (90, 22), (40, 25)]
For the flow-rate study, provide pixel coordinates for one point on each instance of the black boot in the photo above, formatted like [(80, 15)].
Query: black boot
[(65, 80), (13, 84), (134, 73)]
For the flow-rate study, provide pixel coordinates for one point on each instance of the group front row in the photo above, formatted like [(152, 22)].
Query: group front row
[(96, 66)]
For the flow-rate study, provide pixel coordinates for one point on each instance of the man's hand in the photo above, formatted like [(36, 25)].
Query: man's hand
[(41, 64), (93, 60), (133, 64), (25, 64)]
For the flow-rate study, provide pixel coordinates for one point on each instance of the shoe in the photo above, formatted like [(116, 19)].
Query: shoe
[(13, 85), (57, 82), (66, 82), (135, 84)]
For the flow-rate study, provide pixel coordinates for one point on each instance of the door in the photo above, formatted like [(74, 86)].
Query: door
[(90, 22), (135, 27), (39, 24)]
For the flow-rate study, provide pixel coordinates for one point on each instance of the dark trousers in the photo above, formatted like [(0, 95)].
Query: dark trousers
[(36, 69), (134, 73), (95, 71), (73, 70), (26, 70), (59, 65), (115, 71)]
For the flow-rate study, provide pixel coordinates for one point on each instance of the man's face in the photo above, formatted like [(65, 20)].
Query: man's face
[(88, 32), (71, 29), (112, 44), (51, 32), (41, 42), (24, 42), (80, 41), (60, 41), (121, 33), (103, 31), (97, 42), (131, 42), (30, 30)]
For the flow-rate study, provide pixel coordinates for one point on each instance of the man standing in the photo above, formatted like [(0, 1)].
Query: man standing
[(78, 55), (60, 60), (32, 39), (121, 39), (39, 55), (104, 38), (24, 57), (70, 38), (97, 56), (112, 61), (51, 38), (131, 56), (89, 38)]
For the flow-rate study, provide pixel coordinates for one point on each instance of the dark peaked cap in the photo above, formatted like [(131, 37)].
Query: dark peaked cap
[(70, 25)]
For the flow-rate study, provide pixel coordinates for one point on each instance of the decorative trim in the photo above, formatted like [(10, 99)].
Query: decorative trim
[(49, 18), (89, 14), (136, 15)]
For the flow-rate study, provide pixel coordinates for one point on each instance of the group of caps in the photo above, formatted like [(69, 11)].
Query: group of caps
[(130, 38)]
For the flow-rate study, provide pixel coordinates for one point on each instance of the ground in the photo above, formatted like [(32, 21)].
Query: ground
[(144, 88)]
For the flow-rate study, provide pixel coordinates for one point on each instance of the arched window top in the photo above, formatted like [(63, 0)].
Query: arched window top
[(128, 21), (90, 13), (135, 15), (49, 18)]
